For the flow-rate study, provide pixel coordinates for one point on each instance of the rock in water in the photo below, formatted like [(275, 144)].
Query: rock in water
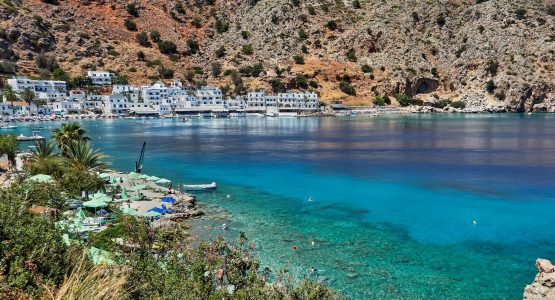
[(543, 286)]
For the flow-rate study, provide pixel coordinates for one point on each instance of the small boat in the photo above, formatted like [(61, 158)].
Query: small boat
[(200, 187), (6, 126), (185, 119)]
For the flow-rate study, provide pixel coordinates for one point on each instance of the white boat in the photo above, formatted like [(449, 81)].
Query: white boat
[(6, 126), (200, 187)]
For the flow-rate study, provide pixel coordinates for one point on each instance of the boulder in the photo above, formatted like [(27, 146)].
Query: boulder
[(543, 286)]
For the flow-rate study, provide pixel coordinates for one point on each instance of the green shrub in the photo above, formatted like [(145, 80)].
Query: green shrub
[(331, 25), (245, 34), (492, 67), (346, 88), (155, 36), (441, 103), (304, 49), (378, 101), (481, 29), (167, 47), (164, 72), (311, 10), (198, 70), (551, 10), (351, 55), (299, 59), (222, 26), (132, 9), (520, 13), (302, 34), (458, 104), (301, 81), (142, 39), (490, 86), (196, 22), (434, 72), (277, 86), (130, 25), (193, 46), (440, 21), (216, 69), (141, 55), (220, 52), (46, 62), (405, 100), (356, 4), (247, 49)]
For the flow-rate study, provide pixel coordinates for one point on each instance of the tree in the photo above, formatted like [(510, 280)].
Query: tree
[(132, 9), (301, 81), (11, 96), (366, 68), (165, 72), (43, 150), (81, 82), (193, 46), (490, 86), (302, 34), (155, 36), (46, 62), (351, 55), (28, 96), (141, 55), (8, 146), (167, 47), (216, 69), (60, 74), (346, 88), (130, 25), (356, 4), (81, 156), (142, 39), (68, 133)]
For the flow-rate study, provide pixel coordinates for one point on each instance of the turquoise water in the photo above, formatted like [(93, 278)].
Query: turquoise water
[(420, 206)]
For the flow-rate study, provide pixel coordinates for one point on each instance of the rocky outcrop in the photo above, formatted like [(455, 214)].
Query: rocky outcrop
[(543, 287)]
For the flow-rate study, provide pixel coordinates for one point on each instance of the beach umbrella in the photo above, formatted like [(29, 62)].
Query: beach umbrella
[(163, 181), (152, 214), (168, 199), (80, 215), (138, 187), (134, 176), (124, 195), (129, 211), (104, 175), (153, 178), (95, 203), (42, 178)]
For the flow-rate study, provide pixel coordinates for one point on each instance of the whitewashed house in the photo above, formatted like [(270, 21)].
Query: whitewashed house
[(21, 83), (100, 77)]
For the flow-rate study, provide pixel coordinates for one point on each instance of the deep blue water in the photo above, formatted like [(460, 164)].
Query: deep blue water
[(419, 206)]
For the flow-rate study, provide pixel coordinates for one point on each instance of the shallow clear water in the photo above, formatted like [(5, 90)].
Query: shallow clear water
[(419, 206)]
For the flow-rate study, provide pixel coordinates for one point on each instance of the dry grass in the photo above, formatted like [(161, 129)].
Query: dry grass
[(90, 282)]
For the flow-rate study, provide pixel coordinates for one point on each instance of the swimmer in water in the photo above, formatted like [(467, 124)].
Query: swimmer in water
[(310, 199)]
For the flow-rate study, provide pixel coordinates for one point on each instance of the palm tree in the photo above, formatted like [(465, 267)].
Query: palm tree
[(67, 134), (81, 156), (10, 95), (43, 150), (28, 96)]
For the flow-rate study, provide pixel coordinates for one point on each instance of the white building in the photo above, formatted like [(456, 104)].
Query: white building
[(115, 105), (209, 96), (21, 83), (100, 77), (298, 100)]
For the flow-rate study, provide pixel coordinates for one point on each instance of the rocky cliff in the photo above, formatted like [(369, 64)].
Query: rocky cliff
[(543, 287), (496, 54)]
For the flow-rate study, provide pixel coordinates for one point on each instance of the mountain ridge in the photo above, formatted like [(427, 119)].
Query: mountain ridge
[(431, 50)]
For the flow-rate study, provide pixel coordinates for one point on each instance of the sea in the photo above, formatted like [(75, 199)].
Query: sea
[(420, 206)]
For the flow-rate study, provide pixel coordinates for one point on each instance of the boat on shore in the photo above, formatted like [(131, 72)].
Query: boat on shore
[(200, 187)]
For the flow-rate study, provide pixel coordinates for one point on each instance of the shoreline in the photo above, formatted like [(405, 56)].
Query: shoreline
[(359, 111)]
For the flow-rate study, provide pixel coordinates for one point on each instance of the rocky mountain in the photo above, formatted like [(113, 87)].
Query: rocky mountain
[(490, 54)]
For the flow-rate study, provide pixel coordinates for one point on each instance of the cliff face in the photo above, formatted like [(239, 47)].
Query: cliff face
[(543, 287), (432, 50)]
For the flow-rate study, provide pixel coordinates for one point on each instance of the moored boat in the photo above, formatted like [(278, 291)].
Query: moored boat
[(200, 187)]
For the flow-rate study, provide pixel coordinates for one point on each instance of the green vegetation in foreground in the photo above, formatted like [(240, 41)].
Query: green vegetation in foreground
[(149, 263)]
